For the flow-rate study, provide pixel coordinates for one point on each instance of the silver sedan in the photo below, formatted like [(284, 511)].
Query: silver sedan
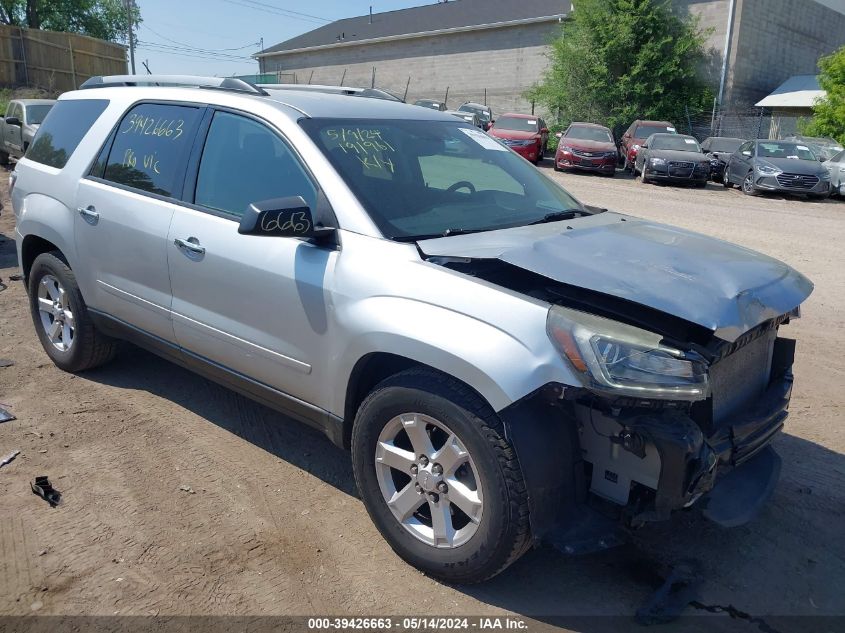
[(836, 167)]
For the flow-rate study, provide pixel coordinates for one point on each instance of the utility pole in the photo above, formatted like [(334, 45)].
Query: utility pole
[(261, 59), (130, 19)]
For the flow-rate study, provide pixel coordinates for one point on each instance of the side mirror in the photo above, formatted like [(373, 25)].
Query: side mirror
[(13, 120), (746, 153), (281, 217)]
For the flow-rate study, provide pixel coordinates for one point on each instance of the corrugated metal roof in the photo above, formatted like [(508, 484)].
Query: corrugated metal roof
[(799, 91), (457, 14)]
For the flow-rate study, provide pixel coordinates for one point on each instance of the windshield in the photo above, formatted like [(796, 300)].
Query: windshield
[(420, 179), (483, 113), (589, 134), (517, 124), (675, 143), (795, 151), (726, 145), (35, 113), (644, 131)]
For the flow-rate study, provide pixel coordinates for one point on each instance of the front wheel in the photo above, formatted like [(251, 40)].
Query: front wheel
[(643, 178), (61, 317), (438, 477), (748, 185)]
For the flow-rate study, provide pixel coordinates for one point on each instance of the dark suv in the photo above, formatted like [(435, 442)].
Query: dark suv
[(635, 136)]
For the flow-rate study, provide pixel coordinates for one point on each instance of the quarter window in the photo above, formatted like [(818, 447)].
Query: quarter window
[(150, 147), (244, 162), (63, 129)]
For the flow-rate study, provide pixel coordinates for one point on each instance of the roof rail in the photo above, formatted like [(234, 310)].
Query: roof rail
[(213, 83), (373, 93)]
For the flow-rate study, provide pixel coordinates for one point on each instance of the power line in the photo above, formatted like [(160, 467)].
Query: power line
[(205, 50), (274, 10), (191, 52)]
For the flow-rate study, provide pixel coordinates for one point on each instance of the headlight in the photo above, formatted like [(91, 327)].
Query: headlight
[(657, 161), (624, 360), (764, 169), (825, 176), (565, 148)]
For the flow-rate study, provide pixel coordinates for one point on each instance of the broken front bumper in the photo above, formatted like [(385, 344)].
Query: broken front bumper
[(693, 465), (646, 459)]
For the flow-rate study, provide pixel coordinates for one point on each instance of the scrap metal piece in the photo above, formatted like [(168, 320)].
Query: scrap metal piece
[(8, 459), (6, 416), (44, 489), (669, 601)]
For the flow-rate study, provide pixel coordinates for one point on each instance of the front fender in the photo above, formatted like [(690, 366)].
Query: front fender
[(501, 368)]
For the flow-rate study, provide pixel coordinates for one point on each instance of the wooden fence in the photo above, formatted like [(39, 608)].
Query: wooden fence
[(55, 61)]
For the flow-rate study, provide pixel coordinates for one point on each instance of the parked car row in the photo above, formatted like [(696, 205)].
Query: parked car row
[(484, 113), (654, 151)]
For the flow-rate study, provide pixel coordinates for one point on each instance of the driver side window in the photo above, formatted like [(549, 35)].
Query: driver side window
[(244, 162)]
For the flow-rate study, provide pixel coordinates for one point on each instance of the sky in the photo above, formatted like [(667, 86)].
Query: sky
[(216, 37)]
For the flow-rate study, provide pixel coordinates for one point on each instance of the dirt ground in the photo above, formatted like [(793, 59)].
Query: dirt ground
[(274, 525)]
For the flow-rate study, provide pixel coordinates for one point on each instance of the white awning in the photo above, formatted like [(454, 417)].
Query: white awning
[(800, 91)]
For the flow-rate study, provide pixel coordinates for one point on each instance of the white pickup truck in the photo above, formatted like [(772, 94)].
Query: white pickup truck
[(19, 125)]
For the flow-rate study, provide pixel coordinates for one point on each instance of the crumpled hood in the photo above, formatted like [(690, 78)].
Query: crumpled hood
[(721, 286)]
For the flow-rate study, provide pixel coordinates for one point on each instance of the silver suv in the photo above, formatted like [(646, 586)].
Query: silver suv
[(506, 365)]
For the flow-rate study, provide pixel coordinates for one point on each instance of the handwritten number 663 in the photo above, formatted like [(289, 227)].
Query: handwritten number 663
[(296, 222)]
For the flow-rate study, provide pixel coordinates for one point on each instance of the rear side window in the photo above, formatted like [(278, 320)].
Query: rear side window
[(63, 129), (151, 146)]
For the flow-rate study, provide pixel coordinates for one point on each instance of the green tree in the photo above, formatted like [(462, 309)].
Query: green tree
[(829, 112), (104, 19), (620, 60)]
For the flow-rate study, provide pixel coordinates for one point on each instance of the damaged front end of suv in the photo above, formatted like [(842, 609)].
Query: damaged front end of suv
[(681, 377)]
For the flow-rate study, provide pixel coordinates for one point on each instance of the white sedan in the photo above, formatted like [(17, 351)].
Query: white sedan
[(836, 167)]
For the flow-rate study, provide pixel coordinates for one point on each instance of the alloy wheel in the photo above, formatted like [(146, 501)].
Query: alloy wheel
[(748, 184), (428, 480), (56, 314)]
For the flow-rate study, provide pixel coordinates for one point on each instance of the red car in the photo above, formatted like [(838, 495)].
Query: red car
[(636, 135), (525, 134), (587, 146)]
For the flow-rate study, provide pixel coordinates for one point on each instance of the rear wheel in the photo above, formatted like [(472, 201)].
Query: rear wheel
[(61, 317), (726, 182), (4, 158), (438, 478)]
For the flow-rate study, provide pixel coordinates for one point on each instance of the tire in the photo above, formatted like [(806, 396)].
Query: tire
[(4, 158), (818, 197), (501, 534), (701, 184), (748, 185), (726, 182), (627, 166), (79, 346), (643, 178)]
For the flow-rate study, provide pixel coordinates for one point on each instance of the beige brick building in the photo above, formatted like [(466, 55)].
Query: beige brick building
[(495, 50)]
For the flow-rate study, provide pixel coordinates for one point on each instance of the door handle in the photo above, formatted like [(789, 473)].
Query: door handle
[(189, 245), (89, 213)]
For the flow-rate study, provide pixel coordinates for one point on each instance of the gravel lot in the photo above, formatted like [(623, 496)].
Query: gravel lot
[(274, 526)]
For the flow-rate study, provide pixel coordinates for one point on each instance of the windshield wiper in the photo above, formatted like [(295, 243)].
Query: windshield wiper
[(557, 216), (432, 236)]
